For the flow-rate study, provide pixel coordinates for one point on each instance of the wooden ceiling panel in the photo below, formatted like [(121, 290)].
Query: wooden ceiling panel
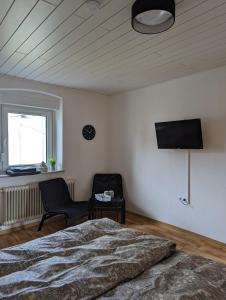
[(80, 44), (37, 15), (5, 6), (63, 42), (15, 16), (57, 35), (55, 20), (140, 48), (85, 28)]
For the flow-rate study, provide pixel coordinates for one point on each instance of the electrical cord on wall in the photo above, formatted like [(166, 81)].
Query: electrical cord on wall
[(187, 201), (189, 178)]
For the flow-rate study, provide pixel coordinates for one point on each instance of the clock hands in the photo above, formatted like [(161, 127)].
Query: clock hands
[(89, 132)]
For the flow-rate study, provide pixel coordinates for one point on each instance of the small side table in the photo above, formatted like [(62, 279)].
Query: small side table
[(115, 205)]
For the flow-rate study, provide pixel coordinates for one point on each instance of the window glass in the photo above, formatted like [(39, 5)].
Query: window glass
[(27, 139)]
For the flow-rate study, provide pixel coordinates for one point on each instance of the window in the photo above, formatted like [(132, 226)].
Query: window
[(27, 135)]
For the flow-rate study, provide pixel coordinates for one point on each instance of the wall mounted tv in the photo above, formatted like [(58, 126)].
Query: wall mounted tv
[(185, 134)]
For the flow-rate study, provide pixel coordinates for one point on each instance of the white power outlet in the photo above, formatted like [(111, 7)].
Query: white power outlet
[(184, 201)]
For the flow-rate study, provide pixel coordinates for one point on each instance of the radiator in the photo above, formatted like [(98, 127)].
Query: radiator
[(22, 204)]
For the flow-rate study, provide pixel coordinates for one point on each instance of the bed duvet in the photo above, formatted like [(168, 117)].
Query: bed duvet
[(99, 259)]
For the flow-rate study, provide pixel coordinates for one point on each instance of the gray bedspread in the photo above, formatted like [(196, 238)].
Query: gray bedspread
[(180, 277), (81, 262), (101, 260)]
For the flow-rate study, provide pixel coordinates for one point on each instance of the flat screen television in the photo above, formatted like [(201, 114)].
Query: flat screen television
[(185, 134)]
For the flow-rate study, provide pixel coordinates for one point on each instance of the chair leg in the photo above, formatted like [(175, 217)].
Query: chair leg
[(123, 216), (66, 220), (42, 221)]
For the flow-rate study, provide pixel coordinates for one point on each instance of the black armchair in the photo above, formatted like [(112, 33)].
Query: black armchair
[(107, 182), (56, 200)]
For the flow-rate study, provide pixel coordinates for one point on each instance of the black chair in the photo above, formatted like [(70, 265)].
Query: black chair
[(107, 182), (56, 200)]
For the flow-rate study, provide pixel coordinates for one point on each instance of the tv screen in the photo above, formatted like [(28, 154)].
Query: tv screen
[(186, 134)]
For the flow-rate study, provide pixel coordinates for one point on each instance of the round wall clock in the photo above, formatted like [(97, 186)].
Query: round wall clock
[(89, 132)]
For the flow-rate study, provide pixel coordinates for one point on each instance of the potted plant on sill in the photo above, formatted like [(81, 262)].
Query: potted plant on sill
[(52, 163)]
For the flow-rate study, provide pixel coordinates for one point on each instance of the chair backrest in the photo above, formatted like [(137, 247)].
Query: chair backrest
[(107, 182), (54, 193)]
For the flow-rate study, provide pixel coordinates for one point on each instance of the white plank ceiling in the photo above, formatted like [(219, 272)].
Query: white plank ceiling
[(61, 42)]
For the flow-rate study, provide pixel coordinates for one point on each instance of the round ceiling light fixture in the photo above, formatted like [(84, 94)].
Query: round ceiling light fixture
[(153, 16)]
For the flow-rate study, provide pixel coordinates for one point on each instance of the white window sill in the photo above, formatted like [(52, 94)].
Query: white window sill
[(3, 175)]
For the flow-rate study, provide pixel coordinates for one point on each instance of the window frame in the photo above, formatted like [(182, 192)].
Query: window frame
[(50, 119)]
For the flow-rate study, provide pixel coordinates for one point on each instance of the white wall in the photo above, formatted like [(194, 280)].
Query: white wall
[(153, 178), (81, 158), (156, 178)]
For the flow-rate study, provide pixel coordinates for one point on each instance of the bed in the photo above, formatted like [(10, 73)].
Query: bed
[(100, 259)]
